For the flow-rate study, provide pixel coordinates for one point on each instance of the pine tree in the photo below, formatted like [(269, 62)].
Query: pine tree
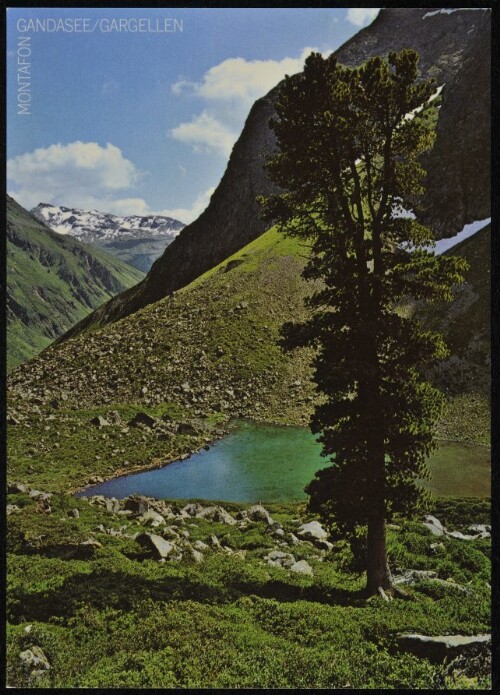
[(347, 161)]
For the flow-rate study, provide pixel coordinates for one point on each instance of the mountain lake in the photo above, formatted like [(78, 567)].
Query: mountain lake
[(257, 462)]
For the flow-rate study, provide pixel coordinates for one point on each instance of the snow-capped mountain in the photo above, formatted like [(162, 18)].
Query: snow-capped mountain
[(136, 239)]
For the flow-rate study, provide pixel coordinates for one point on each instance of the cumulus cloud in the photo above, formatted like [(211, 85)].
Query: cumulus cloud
[(205, 133), (187, 215), (228, 90), (240, 79), (360, 16), (75, 174)]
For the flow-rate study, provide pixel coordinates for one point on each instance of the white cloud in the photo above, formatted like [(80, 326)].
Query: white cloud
[(360, 16), (75, 174), (228, 90), (187, 215), (205, 133), (240, 79)]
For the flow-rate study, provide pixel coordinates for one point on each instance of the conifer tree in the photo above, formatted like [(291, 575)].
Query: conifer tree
[(347, 163)]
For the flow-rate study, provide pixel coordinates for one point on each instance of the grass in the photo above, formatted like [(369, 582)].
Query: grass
[(121, 619), (53, 281)]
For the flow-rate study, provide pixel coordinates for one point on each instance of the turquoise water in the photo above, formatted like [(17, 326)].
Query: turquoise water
[(258, 462)]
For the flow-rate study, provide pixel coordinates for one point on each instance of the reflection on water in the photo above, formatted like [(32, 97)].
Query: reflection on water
[(258, 463)]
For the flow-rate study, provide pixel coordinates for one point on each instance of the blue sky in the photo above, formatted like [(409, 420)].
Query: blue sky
[(135, 122)]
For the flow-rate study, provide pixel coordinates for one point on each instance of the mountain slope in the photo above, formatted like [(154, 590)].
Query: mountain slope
[(137, 240), (52, 282), (454, 49), (211, 348)]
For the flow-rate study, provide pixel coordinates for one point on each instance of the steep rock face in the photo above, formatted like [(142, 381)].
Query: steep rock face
[(454, 48)]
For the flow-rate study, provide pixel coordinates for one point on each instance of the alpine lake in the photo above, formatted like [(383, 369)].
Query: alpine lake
[(258, 462)]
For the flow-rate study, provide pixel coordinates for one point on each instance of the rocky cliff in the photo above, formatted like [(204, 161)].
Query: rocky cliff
[(455, 49)]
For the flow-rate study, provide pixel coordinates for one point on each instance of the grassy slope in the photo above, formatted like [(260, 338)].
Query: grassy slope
[(121, 619), (53, 281)]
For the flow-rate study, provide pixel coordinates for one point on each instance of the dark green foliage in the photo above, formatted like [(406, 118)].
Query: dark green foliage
[(348, 159)]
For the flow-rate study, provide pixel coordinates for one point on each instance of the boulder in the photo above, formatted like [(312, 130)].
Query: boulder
[(152, 518), (464, 536), (112, 505), (434, 525), (34, 660), (197, 556), (136, 504), (187, 428), (142, 418), (302, 567), (74, 551), (216, 514), (442, 647), (192, 509), (12, 509), (39, 496), (277, 558), (74, 513), (16, 488), (259, 513), (201, 546), (99, 421), (312, 531), (160, 547)]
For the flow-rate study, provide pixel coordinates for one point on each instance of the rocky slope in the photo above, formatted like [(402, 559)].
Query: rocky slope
[(211, 348), (454, 48), (52, 281), (137, 240)]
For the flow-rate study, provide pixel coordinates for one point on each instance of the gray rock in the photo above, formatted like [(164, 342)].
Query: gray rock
[(39, 496), (436, 649), (302, 567), (312, 531), (99, 421), (192, 509), (157, 544), (216, 513), (414, 576), (187, 429), (463, 536), (152, 518), (201, 546), (74, 513), (278, 558), (259, 513), (197, 556), (15, 488), (12, 509), (434, 525), (142, 418), (112, 505), (34, 658), (137, 504)]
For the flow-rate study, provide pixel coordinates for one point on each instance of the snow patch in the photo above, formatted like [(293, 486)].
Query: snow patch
[(444, 244), (411, 114), (457, 9)]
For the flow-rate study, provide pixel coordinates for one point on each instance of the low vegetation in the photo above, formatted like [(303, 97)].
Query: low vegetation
[(122, 619)]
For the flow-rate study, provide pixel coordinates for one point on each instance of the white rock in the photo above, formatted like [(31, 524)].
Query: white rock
[(312, 531), (302, 567)]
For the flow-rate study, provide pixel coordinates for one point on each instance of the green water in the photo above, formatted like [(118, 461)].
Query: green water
[(258, 462)]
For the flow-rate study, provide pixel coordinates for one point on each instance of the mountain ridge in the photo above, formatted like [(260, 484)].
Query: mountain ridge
[(135, 239), (453, 49)]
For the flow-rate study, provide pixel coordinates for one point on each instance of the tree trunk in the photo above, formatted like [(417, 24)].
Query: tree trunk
[(377, 568)]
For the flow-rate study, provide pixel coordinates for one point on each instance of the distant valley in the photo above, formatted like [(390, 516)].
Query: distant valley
[(136, 240), (52, 281)]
